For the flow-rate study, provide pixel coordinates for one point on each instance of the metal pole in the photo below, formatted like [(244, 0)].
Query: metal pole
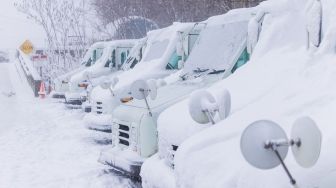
[(149, 110), (292, 180)]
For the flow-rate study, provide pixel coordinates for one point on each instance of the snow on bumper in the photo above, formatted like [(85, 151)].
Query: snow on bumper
[(125, 161), (100, 122), (152, 172)]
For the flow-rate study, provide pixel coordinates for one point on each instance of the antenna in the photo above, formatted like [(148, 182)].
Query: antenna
[(203, 106), (264, 144), (140, 90)]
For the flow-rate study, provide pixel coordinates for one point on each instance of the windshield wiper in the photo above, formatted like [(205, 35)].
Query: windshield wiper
[(199, 70), (214, 71)]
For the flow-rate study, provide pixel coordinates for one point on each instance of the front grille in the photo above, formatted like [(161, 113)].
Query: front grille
[(124, 135), (124, 142), (124, 127), (99, 107)]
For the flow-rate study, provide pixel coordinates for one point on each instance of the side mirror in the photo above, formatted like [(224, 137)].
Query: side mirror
[(106, 84)]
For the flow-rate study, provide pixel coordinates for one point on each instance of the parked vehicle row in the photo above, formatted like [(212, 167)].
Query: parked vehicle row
[(134, 91)]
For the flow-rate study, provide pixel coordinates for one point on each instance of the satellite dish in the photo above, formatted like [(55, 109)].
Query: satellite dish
[(153, 88), (265, 145), (87, 75), (224, 104), (114, 81), (140, 89), (253, 140), (309, 136), (200, 102), (106, 84)]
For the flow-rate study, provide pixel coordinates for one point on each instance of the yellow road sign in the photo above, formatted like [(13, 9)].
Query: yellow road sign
[(27, 47)]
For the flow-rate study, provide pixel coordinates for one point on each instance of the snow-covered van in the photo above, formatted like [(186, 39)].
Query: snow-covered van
[(114, 55), (61, 83), (230, 55), (220, 50), (163, 56)]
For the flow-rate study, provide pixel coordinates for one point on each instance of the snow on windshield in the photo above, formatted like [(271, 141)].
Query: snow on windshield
[(218, 46), (157, 49)]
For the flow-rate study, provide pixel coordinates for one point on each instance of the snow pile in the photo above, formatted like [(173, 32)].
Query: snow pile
[(43, 145), (282, 82)]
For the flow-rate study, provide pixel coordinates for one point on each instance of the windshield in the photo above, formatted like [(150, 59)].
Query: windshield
[(156, 50), (217, 46)]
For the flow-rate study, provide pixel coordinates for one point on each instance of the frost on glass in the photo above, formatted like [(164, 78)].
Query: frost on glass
[(218, 46)]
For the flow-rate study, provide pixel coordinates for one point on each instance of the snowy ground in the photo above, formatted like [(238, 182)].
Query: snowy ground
[(44, 145)]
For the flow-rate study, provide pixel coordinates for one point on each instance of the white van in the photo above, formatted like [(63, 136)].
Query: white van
[(113, 57), (219, 51), (163, 56), (171, 134), (61, 83)]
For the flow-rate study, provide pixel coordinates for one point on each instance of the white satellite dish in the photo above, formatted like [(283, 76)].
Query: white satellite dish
[(224, 101), (264, 142), (140, 89), (199, 104), (87, 75), (203, 106), (153, 89), (114, 81), (309, 136), (106, 84), (252, 144)]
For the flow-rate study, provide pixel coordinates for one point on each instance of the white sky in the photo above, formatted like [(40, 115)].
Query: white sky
[(15, 28)]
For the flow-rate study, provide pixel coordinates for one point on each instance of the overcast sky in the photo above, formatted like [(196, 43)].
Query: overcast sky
[(15, 28)]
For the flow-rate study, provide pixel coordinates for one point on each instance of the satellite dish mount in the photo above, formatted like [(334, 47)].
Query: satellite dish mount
[(140, 90), (203, 106), (265, 145)]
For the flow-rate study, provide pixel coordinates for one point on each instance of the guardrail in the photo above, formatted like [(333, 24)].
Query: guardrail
[(31, 74)]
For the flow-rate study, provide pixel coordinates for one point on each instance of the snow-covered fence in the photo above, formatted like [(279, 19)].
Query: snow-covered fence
[(32, 76)]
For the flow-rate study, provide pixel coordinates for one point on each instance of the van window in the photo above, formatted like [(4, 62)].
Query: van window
[(173, 62), (123, 57), (111, 60), (88, 63), (243, 59)]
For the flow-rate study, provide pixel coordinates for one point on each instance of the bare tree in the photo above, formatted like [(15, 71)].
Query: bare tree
[(63, 22), (165, 12)]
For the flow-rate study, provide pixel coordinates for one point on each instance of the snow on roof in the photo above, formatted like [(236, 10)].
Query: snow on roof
[(99, 64), (161, 44)]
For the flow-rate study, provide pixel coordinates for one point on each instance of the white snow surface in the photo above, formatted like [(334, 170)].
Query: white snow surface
[(44, 145), (282, 82)]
